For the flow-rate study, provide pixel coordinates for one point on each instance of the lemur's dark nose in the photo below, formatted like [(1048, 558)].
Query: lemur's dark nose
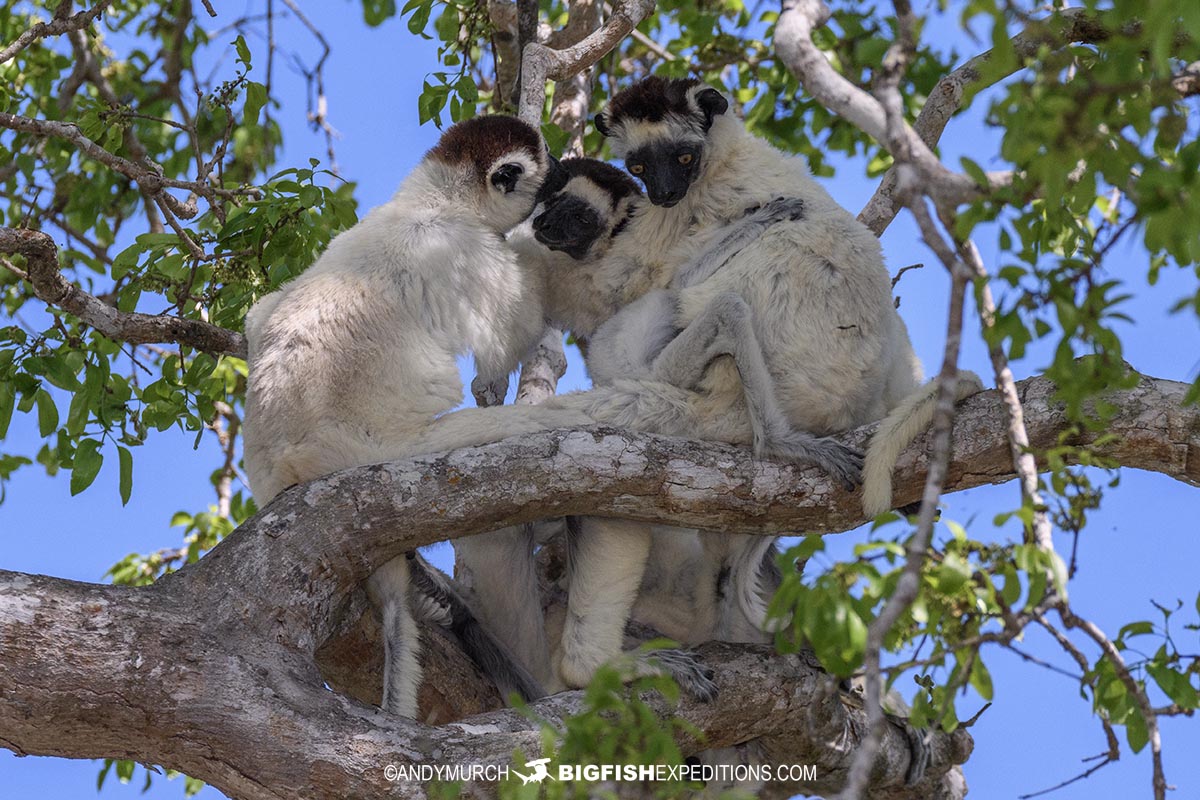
[(506, 175), (666, 199)]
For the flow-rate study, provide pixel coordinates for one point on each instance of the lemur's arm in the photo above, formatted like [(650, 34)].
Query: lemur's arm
[(735, 236), (724, 327)]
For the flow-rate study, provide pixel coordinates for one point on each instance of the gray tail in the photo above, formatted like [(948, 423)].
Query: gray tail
[(755, 578), (445, 606)]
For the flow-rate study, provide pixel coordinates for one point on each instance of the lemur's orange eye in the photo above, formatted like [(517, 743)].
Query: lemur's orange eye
[(685, 158), (637, 169)]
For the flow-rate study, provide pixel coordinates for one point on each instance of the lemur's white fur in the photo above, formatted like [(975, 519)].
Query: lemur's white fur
[(896, 431), (351, 362)]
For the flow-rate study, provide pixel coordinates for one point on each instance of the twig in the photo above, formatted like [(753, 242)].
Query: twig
[(796, 50), (318, 111), (1068, 647), (53, 28), (149, 179), (909, 583), (226, 433), (1071, 620), (1063, 28), (1108, 759), (896, 278), (1018, 437)]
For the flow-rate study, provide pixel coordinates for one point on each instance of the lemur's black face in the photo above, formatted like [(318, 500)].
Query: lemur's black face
[(667, 167), (568, 224)]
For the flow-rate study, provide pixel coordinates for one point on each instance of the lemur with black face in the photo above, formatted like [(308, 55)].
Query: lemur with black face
[(819, 296), (816, 285), (351, 362)]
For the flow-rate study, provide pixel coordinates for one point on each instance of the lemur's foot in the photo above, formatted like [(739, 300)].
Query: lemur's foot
[(779, 209), (843, 463), (693, 677)]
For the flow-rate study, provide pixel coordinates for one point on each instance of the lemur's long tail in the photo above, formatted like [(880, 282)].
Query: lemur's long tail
[(437, 598), (755, 577), (895, 433)]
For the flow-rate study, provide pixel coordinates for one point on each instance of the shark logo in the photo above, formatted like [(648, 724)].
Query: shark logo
[(539, 773)]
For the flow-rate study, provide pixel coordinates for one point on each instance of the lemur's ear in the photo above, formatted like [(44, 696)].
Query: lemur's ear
[(712, 103), (601, 122)]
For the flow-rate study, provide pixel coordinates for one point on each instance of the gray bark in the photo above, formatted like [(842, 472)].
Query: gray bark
[(224, 685)]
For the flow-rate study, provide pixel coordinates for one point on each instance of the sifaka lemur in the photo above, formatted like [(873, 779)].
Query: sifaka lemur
[(354, 359)]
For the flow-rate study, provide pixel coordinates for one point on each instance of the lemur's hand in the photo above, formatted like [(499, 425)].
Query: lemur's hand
[(777, 210), (489, 393)]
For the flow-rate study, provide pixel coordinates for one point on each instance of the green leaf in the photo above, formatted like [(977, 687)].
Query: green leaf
[(125, 459), (555, 137), (419, 19), (310, 195), (376, 12), (47, 413), (1175, 685), (256, 98), (467, 89), (1136, 629), (976, 172), (8, 398), (1136, 732), (981, 679), (56, 369), (86, 466), (153, 239), (77, 413), (243, 50)]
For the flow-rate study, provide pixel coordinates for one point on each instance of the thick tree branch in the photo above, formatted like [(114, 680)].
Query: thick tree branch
[(541, 369), (55, 27), (352, 521), (540, 63), (572, 96), (242, 676), (41, 257), (147, 678)]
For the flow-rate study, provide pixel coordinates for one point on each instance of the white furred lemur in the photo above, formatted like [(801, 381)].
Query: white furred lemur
[(351, 362)]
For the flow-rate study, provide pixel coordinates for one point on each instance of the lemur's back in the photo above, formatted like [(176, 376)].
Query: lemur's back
[(817, 285), (357, 355)]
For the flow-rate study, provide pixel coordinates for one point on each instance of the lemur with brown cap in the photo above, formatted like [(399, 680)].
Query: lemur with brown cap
[(351, 361)]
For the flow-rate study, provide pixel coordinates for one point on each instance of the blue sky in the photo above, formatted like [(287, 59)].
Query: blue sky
[(1141, 545)]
